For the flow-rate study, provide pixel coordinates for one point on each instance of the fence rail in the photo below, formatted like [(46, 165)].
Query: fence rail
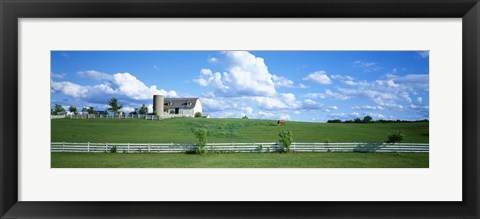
[(237, 147), (102, 116)]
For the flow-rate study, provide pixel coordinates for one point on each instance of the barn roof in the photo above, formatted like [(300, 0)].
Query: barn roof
[(180, 102)]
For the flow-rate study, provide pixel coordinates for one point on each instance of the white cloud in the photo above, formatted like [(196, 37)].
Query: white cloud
[(269, 103), (95, 75), (392, 84), (309, 104), (368, 107), (419, 99), (284, 117), (247, 110), (127, 109), (281, 81), (336, 95), (60, 76), (131, 87), (377, 96), (246, 75), (316, 95), (424, 54), (331, 108), (213, 60), (406, 97), (69, 88), (123, 86), (366, 66), (341, 77), (302, 86), (215, 104), (411, 81), (320, 77), (270, 115)]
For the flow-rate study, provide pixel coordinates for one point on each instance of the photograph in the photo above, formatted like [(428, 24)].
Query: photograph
[(239, 109)]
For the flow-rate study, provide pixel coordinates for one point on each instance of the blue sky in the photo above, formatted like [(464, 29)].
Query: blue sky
[(312, 86)]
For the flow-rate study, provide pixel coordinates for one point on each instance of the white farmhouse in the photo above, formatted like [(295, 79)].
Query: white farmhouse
[(180, 106)]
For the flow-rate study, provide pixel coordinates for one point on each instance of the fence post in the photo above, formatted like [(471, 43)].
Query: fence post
[(88, 146), (63, 147), (294, 148), (148, 147), (106, 147), (128, 147)]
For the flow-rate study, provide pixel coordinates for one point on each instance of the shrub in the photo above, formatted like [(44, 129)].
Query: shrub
[(327, 143), (198, 114), (395, 136), (113, 149), (245, 117), (201, 135), (286, 140), (259, 148)]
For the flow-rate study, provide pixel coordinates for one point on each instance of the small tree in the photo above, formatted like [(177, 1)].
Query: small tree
[(245, 117), (90, 110), (198, 114), (367, 119), (201, 135), (286, 140), (114, 106), (73, 110), (143, 110), (58, 110), (84, 110), (396, 136), (357, 120)]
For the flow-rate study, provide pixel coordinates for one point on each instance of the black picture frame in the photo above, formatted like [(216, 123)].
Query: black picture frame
[(12, 10)]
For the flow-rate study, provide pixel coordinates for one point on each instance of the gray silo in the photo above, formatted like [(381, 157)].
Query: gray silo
[(158, 104)]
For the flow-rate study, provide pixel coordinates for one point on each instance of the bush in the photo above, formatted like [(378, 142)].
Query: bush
[(201, 135), (113, 149), (396, 136), (245, 117), (286, 140), (198, 114)]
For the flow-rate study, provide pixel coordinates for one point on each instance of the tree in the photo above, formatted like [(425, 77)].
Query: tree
[(286, 140), (198, 114), (135, 112), (357, 120), (395, 136), (367, 119), (58, 110), (73, 110), (84, 110), (143, 110), (90, 110), (201, 135), (114, 106), (245, 117)]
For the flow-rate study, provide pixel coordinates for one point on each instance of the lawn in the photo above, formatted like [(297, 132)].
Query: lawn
[(180, 130), (241, 160)]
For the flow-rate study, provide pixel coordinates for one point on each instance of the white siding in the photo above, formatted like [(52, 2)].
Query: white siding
[(198, 107)]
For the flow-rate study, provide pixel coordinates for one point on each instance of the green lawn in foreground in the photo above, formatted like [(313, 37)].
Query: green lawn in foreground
[(241, 160), (180, 130)]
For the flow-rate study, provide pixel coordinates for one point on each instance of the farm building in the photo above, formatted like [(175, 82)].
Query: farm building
[(179, 106)]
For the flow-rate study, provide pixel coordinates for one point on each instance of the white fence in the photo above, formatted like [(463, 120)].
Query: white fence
[(57, 116), (237, 147), (102, 116)]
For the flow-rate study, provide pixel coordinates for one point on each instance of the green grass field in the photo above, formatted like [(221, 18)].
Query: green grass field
[(180, 130), (241, 160)]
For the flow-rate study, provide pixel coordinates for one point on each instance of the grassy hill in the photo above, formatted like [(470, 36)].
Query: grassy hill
[(180, 130)]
